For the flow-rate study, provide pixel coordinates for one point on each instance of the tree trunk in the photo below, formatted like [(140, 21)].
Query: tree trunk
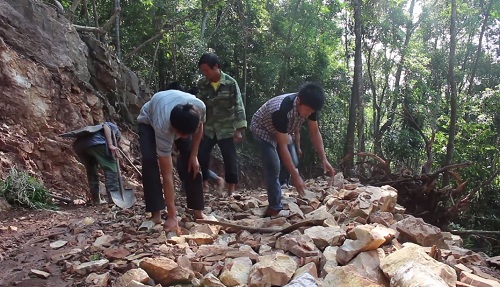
[(346, 41), (72, 9), (450, 148), (486, 15), (162, 75), (244, 86), (175, 73), (96, 17), (285, 67), (204, 19), (361, 127), (242, 8), (397, 82), (84, 12), (463, 66), (355, 92), (117, 30), (377, 141)]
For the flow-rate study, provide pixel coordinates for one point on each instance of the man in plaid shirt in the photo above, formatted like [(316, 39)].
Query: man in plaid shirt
[(271, 125)]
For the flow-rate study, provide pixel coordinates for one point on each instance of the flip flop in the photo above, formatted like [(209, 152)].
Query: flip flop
[(146, 225), (236, 196), (282, 213)]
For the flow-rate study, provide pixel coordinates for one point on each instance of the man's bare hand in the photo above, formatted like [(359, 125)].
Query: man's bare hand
[(193, 166), (171, 224), (237, 136), (327, 168), (299, 184), (299, 153), (114, 150)]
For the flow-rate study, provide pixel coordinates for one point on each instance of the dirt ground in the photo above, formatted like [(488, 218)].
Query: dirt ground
[(24, 240), (26, 235)]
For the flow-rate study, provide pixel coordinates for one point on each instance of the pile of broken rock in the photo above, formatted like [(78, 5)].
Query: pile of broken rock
[(341, 234)]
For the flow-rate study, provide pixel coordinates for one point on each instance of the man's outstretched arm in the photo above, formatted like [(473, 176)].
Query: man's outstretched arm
[(317, 141)]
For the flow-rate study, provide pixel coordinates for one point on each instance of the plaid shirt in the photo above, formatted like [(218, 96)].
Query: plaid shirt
[(275, 116)]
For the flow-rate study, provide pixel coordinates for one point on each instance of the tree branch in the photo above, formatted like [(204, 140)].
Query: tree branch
[(110, 21), (467, 232), (157, 36), (102, 30), (72, 9), (89, 29), (154, 38)]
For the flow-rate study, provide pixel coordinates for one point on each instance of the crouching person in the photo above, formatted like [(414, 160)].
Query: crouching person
[(95, 148), (171, 117), (271, 126)]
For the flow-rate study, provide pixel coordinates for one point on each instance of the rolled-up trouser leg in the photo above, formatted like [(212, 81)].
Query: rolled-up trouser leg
[(193, 184), (90, 163), (93, 180), (111, 182), (108, 165)]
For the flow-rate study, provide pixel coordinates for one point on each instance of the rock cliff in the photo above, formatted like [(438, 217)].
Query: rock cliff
[(52, 80)]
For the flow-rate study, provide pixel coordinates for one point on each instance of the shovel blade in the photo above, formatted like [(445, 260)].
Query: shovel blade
[(124, 199)]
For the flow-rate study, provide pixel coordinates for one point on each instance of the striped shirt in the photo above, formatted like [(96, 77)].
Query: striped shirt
[(279, 114)]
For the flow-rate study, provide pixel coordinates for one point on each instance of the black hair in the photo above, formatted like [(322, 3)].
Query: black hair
[(185, 118), (210, 59), (175, 86), (193, 91), (312, 95)]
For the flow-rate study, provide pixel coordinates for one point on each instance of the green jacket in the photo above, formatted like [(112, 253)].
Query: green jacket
[(225, 110)]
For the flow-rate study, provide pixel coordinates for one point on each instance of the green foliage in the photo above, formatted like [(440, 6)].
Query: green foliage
[(95, 256), (403, 146), (272, 47), (19, 188)]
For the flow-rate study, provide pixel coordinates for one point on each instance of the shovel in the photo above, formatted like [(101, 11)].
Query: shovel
[(125, 198), (130, 161)]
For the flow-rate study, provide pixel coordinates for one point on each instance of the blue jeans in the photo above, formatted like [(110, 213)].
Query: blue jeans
[(284, 173), (271, 163)]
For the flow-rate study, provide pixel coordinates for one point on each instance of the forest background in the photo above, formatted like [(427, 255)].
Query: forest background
[(413, 86)]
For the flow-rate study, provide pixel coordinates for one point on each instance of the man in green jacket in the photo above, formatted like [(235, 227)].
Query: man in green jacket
[(226, 117)]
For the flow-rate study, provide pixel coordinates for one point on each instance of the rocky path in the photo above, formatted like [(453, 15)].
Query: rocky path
[(356, 240)]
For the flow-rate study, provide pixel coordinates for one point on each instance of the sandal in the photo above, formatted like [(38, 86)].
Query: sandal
[(146, 226), (276, 213)]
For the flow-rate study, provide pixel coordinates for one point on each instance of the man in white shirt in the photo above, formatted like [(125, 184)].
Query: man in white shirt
[(171, 117)]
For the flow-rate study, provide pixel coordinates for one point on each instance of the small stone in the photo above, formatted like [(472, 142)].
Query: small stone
[(88, 221), (40, 273), (98, 280), (116, 253), (58, 244)]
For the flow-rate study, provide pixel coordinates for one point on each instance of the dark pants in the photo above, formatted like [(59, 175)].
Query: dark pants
[(151, 182), (229, 155)]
